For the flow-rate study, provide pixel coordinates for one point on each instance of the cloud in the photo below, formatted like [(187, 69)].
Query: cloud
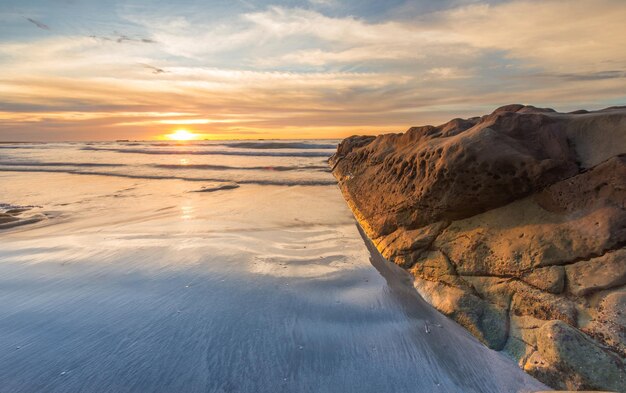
[(122, 38), (582, 76), (155, 70), (40, 25), (291, 71), (557, 34), (324, 3), (562, 35)]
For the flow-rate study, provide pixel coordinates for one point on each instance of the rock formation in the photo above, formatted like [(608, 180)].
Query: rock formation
[(514, 225)]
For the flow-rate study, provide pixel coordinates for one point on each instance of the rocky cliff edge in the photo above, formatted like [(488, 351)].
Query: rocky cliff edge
[(514, 225)]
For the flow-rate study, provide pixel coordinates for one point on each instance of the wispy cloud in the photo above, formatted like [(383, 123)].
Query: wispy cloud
[(41, 25), (582, 76), (281, 71), (553, 34)]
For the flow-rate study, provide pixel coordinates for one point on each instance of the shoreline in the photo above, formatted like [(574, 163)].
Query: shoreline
[(260, 288)]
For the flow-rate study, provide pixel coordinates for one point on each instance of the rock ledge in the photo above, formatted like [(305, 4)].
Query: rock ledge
[(514, 225)]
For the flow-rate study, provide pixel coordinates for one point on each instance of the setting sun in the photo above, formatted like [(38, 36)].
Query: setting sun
[(181, 135)]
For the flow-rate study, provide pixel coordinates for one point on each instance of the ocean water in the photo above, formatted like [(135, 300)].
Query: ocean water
[(261, 162), (210, 267)]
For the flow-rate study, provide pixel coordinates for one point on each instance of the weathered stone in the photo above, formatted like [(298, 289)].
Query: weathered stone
[(569, 220), (539, 368), (434, 266), (597, 136), (522, 341), (574, 353), (542, 305), (484, 320), (613, 307), (607, 271), (550, 279), (516, 238), (609, 323), (504, 232), (402, 242), (496, 290), (423, 176), (603, 185)]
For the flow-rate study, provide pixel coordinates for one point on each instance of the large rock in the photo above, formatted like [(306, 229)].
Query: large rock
[(607, 271), (597, 136), (550, 279), (607, 323), (571, 352), (514, 225), (484, 320), (452, 171)]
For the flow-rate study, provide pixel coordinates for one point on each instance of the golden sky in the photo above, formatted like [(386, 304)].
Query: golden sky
[(121, 69)]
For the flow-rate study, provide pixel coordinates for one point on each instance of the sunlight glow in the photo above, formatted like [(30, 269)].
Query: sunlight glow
[(181, 135)]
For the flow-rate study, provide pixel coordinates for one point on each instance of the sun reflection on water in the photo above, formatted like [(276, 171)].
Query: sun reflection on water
[(187, 212)]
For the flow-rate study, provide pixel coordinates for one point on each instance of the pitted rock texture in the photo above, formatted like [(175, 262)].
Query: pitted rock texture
[(514, 225)]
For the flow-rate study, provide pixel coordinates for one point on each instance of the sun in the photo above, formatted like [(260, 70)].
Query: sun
[(181, 135)]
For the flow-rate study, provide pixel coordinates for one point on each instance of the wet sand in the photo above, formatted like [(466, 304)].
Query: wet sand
[(139, 285)]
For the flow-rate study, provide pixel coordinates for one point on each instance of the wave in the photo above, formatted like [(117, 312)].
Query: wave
[(240, 144), (17, 147), (262, 182), (278, 145), (227, 186), (8, 208), (179, 144), (77, 164), (317, 168), (213, 152)]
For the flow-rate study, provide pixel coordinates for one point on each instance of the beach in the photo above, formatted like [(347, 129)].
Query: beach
[(211, 267)]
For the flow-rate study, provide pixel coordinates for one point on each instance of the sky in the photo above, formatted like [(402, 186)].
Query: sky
[(233, 69)]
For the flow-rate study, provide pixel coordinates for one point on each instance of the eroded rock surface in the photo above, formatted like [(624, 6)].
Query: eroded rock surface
[(514, 225)]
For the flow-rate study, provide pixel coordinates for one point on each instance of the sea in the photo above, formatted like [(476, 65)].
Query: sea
[(210, 266)]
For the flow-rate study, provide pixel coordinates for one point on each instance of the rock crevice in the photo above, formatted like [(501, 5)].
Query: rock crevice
[(514, 225)]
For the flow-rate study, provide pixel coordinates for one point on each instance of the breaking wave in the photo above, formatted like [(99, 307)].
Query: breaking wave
[(44, 164), (264, 182), (214, 152), (320, 168), (271, 168), (278, 145)]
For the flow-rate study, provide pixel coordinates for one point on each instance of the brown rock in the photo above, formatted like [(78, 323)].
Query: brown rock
[(607, 271), (504, 233), (569, 220), (613, 308), (597, 136), (514, 239), (542, 305), (484, 320), (434, 266), (572, 352), (424, 176), (609, 323), (522, 341), (550, 279), (603, 185), (496, 290), (402, 242)]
